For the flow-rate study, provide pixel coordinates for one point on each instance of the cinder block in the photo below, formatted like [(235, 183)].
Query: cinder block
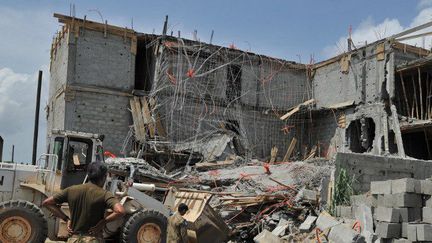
[(427, 215), (344, 234), (405, 185), (391, 215), (426, 187), (401, 240), (368, 200), (380, 187), (385, 201), (427, 202), (424, 232), (405, 200), (404, 226), (388, 230), (410, 214), (344, 211), (412, 232)]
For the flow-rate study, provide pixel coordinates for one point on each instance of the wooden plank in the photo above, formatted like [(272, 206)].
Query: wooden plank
[(141, 124), (135, 119), (147, 118), (160, 130), (404, 92), (380, 52), (273, 154), (421, 94), (290, 149), (297, 108)]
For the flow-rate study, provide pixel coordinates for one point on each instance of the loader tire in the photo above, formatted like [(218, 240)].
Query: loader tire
[(22, 221), (145, 226)]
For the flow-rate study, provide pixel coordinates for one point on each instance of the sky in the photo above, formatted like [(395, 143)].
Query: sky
[(295, 30)]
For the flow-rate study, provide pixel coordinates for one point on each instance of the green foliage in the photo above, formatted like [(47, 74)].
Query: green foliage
[(343, 190)]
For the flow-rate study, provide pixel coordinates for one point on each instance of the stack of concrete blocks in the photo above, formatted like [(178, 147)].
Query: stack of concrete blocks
[(403, 210)]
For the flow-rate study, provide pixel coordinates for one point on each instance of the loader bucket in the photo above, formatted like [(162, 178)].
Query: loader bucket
[(204, 224)]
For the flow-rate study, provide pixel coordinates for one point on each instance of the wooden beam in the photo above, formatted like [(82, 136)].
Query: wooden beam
[(290, 149), (297, 108)]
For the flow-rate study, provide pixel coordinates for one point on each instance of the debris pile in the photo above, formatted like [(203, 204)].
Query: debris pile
[(252, 199)]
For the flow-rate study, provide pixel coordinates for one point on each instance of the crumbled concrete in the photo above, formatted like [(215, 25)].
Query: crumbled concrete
[(388, 230), (307, 225), (305, 194), (380, 187), (326, 221), (344, 234), (405, 185), (267, 237)]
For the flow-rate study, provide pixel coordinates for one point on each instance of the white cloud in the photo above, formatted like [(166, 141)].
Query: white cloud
[(424, 4), (368, 31), (17, 107)]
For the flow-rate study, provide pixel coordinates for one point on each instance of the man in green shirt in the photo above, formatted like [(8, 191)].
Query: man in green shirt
[(87, 204)]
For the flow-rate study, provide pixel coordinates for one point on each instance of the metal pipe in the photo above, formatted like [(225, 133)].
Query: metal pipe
[(13, 153), (1, 149), (36, 121)]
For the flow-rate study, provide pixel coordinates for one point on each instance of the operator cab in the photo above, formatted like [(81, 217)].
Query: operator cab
[(75, 150)]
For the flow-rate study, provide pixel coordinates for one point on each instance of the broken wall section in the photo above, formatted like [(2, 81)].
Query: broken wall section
[(350, 93), (204, 89)]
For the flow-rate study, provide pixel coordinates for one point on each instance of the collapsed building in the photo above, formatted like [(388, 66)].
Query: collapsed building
[(176, 102), (184, 94)]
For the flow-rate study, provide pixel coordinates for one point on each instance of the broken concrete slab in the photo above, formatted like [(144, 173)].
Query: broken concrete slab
[(308, 195), (267, 237), (344, 234), (363, 213), (307, 225), (281, 228), (405, 185), (326, 221), (388, 230), (380, 187)]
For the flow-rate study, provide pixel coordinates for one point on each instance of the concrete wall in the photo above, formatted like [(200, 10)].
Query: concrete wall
[(59, 74), (107, 66), (366, 168), (362, 83)]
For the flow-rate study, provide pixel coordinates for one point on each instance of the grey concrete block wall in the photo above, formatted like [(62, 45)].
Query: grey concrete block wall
[(362, 83), (102, 114), (366, 168), (103, 62)]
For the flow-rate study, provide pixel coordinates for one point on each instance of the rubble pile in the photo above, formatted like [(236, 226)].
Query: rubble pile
[(255, 199), (259, 199)]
